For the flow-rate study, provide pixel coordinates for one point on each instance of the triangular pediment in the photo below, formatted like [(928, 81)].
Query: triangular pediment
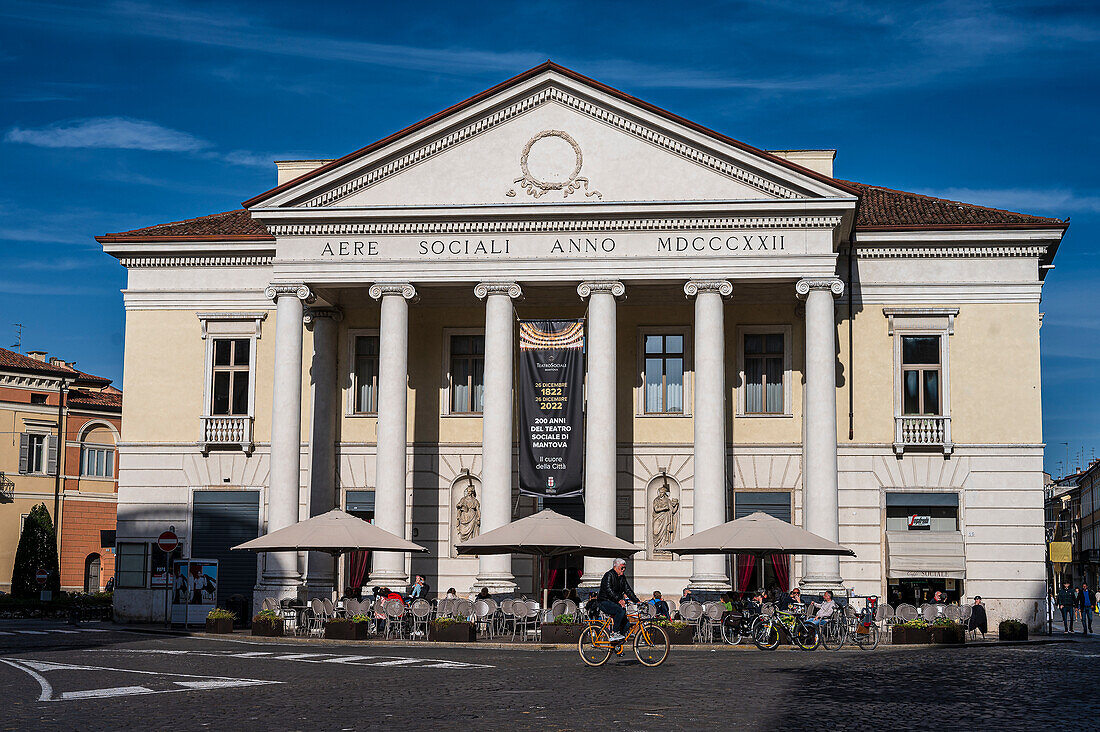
[(551, 138)]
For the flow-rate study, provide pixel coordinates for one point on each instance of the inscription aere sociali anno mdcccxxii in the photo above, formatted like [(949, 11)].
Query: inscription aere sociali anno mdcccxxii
[(598, 245)]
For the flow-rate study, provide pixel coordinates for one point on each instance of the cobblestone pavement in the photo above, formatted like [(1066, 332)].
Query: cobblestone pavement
[(101, 677)]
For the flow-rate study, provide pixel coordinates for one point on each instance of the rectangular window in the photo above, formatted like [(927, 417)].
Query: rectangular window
[(764, 357), (230, 376), (920, 375), (39, 398), (366, 374), (467, 374), (664, 373), (97, 462), (130, 560), (36, 454)]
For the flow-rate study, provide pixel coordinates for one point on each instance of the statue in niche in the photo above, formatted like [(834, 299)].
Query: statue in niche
[(469, 514), (665, 513)]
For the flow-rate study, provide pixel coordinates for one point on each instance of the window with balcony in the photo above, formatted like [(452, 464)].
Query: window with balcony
[(920, 375), (922, 396), (229, 401), (231, 373)]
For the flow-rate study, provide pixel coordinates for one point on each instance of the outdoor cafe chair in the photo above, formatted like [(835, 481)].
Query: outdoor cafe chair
[(445, 608), (395, 618), (952, 613), (463, 609), (556, 609), (929, 612), (570, 608), (507, 618), (691, 612), (905, 612), (421, 611), (526, 621), (330, 609), (767, 609), (711, 622), (269, 603), (483, 617), (317, 617)]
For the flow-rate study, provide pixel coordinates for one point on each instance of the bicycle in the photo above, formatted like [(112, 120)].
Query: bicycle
[(650, 641), (737, 626), (861, 629), (766, 631)]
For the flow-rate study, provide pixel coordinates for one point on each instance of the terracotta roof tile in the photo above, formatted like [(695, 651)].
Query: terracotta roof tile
[(885, 208), (19, 362), (230, 225), (111, 399)]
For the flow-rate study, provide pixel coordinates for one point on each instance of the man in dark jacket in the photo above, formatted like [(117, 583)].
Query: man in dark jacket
[(1066, 602), (1086, 600), (978, 620), (614, 591)]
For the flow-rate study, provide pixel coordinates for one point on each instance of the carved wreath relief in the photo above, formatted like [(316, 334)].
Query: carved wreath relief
[(551, 161)]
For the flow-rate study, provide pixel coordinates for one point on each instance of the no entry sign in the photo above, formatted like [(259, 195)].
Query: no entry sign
[(42, 575), (167, 542)]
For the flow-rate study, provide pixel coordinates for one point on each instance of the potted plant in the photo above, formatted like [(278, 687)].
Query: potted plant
[(267, 623), (911, 632), (563, 629), (450, 630), (357, 627), (1012, 630), (679, 633), (947, 632), (219, 620)]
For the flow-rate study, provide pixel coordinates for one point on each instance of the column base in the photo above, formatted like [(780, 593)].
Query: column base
[(319, 588), (396, 581), (503, 584), (709, 583), (817, 584)]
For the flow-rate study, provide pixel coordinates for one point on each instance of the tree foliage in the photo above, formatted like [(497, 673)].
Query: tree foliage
[(37, 550)]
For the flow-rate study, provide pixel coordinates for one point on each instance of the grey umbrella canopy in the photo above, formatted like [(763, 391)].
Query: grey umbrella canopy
[(334, 532), (548, 534), (757, 534)]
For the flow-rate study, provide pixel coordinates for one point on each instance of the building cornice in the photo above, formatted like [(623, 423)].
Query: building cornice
[(229, 260)]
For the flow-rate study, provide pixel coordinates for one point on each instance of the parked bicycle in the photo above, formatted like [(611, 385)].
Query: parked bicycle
[(850, 626), (737, 625), (768, 631), (649, 640)]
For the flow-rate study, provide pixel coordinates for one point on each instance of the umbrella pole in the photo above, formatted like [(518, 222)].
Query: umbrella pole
[(760, 561)]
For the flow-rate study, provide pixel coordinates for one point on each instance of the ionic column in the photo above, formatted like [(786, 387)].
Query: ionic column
[(819, 471), (709, 425), (391, 452), (281, 577), (324, 406), (495, 572), (600, 446)]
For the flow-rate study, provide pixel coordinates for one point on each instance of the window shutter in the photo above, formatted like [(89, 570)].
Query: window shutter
[(24, 452), (51, 455)]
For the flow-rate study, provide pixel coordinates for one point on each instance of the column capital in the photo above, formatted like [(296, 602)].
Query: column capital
[(380, 289), (300, 291), (722, 287), (313, 314), (483, 289), (614, 287), (834, 284)]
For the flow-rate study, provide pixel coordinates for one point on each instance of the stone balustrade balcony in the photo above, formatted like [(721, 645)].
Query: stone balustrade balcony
[(922, 432)]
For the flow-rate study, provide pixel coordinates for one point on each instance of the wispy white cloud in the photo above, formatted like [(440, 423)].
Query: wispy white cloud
[(1060, 201), (108, 132)]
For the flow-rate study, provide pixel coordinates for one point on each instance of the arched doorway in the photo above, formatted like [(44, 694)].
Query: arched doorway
[(91, 573)]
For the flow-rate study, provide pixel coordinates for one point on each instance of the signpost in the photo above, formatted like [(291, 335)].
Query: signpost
[(44, 595), (167, 542), (42, 576)]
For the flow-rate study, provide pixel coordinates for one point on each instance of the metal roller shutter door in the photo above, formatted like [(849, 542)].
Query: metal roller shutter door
[(223, 519)]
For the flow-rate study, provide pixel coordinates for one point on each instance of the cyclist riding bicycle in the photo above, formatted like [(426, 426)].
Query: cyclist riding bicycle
[(614, 591)]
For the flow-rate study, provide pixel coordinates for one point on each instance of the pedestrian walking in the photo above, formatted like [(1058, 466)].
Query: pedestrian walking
[(1087, 600), (1066, 605)]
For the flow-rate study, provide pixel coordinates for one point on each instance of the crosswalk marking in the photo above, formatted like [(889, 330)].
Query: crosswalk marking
[(31, 632), (48, 631), (346, 660)]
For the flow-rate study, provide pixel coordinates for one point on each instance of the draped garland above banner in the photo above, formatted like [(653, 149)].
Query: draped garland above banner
[(551, 407)]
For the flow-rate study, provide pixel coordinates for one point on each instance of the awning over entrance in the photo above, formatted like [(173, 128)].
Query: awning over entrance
[(925, 554)]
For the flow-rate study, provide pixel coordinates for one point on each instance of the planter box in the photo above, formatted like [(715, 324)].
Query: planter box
[(928, 636), (453, 633), (682, 637), (1017, 634), (267, 628), (568, 634), (219, 625), (347, 631)]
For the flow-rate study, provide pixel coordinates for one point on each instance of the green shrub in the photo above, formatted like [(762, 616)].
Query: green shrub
[(944, 623), (671, 624), (359, 618), (444, 622), (564, 619), (267, 616), (37, 550), (221, 614), (1011, 625), (916, 623)]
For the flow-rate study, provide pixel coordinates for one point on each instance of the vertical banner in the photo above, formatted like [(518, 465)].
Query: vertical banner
[(551, 407)]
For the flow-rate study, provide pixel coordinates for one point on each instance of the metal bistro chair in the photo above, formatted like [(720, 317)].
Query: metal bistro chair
[(905, 612), (330, 608), (929, 612), (483, 617), (711, 622), (395, 618), (421, 611), (507, 618), (556, 608), (463, 609), (952, 613), (965, 611), (526, 619), (691, 612), (317, 617)]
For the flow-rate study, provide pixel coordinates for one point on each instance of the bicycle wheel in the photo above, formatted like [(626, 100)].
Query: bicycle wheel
[(651, 645), (765, 635), (807, 636), (867, 641), (731, 633), (591, 653), (832, 634)]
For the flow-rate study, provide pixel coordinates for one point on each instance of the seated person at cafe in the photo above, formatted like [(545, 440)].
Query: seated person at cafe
[(660, 605), (795, 599), (592, 607), (825, 609), (451, 594), (939, 598), (420, 588), (687, 597)]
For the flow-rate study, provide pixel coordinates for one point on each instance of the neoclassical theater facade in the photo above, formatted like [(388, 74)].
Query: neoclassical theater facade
[(760, 336)]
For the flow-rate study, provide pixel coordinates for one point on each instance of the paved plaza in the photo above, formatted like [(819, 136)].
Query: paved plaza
[(104, 677)]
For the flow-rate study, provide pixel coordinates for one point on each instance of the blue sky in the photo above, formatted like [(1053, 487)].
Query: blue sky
[(115, 115)]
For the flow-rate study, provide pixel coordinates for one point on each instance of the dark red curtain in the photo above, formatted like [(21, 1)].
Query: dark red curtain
[(745, 564), (357, 567), (782, 570)]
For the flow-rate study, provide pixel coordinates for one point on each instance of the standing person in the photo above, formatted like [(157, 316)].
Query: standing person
[(1065, 604), (978, 620), (1087, 600), (614, 591)]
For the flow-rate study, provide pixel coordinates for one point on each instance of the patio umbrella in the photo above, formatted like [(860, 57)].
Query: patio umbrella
[(335, 533), (548, 534), (757, 534)]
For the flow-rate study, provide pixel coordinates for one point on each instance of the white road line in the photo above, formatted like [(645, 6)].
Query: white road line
[(396, 662), (350, 660), (295, 656), (31, 632), (249, 654), (104, 693), (47, 690)]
